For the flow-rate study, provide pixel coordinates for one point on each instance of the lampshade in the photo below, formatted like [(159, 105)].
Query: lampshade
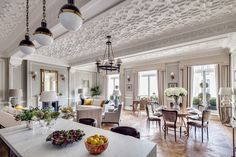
[(70, 16), (27, 46), (48, 96), (225, 91), (80, 91), (43, 35), (16, 93)]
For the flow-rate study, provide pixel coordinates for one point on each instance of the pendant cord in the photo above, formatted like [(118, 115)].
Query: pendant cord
[(44, 10), (27, 16)]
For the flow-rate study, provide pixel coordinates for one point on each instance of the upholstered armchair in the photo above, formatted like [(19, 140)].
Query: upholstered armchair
[(112, 117)]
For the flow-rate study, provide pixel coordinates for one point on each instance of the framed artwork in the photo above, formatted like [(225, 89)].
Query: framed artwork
[(129, 87), (85, 83), (234, 75), (172, 85)]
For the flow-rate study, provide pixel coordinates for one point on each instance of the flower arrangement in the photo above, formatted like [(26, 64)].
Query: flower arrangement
[(65, 137), (175, 92), (67, 112), (37, 114)]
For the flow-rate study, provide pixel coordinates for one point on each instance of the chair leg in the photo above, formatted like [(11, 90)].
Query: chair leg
[(180, 131), (195, 129), (159, 126), (207, 134), (175, 133), (165, 130), (188, 130), (202, 134)]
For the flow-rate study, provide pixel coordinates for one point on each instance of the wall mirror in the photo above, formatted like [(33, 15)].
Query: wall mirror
[(49, 80)]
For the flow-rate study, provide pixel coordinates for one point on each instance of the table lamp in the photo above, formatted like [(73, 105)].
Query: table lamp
[(48, 97), (226, 92), (14, 95)]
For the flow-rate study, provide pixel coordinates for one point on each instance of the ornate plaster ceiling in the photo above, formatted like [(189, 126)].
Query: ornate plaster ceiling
[(12, 15), (139, 21)]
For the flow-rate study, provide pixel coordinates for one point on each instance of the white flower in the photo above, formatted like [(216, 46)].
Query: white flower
[(177, 91)]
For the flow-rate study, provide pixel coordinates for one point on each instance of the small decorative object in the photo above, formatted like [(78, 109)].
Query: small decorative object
[(95, 91), (67, 112), (63, 77), (34, 74), (62, 138), (175, 93), (129, 87), (28, 116), (96, 144), (108, 62), (46, 116), (172, 85), (172, 75), (14, 95), (128, 78)]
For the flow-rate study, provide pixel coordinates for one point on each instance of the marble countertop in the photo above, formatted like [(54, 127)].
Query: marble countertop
[(25, 143)]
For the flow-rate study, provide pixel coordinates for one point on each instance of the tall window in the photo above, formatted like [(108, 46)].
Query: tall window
[(113, 80), (204, 90), (147, 83)]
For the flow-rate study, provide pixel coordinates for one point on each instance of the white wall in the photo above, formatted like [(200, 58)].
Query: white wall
[(3, 81)]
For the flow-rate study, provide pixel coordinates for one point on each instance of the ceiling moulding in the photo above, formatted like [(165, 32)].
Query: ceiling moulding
[(199, 36), (46, 60), (15, 61)]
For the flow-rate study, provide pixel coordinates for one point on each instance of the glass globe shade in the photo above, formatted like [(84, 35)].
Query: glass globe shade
[(70, 21)]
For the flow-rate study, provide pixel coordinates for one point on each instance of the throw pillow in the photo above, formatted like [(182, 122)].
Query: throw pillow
[(102, 103), (88, 101)]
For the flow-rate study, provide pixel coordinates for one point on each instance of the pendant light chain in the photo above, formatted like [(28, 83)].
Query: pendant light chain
[(44, 10), (27, 17)]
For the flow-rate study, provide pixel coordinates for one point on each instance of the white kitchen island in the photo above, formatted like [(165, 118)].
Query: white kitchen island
[(24, 143)]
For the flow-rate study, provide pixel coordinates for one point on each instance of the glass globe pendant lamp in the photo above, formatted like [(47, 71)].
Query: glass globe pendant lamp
[(26, 45), (42, 34), (70, 16)]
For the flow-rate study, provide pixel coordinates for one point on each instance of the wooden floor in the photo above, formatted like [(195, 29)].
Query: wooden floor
[(219, 144)]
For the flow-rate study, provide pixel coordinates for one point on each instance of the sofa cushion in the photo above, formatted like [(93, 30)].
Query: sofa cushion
[(88, 101)]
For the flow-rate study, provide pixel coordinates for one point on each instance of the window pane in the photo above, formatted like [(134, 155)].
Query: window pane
[(113, 80), (147, 83)]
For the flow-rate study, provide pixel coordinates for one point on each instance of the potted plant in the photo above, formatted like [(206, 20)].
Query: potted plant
[(28, 116), (68, 112), (95, 91)]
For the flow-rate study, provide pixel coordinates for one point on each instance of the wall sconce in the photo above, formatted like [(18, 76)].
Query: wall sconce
[(34, 74), (172, 75), (63, 77), (128, 78)]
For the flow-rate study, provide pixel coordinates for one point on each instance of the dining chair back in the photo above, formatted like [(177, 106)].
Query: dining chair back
[(125, 130), (169, 116), (143, 103), (206, 114), (88, 121)]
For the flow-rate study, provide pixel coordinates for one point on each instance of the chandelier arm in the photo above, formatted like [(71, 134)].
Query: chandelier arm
[(112, 53)]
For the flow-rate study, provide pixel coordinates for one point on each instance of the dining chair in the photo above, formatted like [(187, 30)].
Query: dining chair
[(170, 121), (202, 123), (142, 105), (88, 121), (155, 111), (125, 130), (153, 118)]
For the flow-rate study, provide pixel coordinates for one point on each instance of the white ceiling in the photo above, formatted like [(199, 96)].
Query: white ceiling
[(135, 25)]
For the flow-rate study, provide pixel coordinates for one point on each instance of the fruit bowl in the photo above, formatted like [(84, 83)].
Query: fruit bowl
[(62, 138), (96, 144)]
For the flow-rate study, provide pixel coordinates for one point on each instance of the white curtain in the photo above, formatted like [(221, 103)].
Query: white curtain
[(161, 86)]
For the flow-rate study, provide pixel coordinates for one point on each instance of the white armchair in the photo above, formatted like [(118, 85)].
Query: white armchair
[(112, 117)]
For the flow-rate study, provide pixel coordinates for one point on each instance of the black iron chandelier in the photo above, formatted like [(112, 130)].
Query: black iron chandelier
[(108, 62)]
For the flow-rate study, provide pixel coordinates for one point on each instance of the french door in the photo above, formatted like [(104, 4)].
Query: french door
[(204, 91)]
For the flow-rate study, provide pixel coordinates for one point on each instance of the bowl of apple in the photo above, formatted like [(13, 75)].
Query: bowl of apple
[(96, 144)]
